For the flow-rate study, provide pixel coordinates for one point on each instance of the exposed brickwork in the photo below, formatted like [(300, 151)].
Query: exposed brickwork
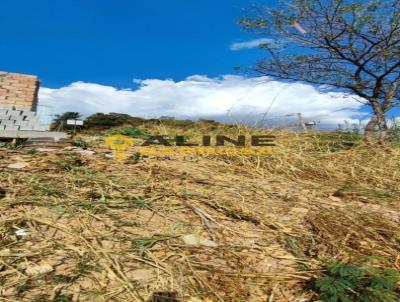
[(19, 90)]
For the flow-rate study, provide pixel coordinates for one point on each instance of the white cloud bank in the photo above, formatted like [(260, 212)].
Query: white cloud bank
[(228, 98), (249, 44)]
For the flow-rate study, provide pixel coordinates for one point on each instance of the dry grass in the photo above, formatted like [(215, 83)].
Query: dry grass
[(87, 228)]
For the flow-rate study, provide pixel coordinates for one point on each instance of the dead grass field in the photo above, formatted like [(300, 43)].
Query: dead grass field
[(75, 227)]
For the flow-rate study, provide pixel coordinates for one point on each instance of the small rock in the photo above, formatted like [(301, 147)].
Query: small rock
[(45, 150), (140, 274), (87, 152), (18, 165), (208, 243), (299, 210), (334, 198), (35, 270), (70, 148), (107, 244), (193, 240), (21, 232)]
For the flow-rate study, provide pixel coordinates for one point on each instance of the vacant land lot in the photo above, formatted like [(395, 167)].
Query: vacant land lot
[(78, 226)]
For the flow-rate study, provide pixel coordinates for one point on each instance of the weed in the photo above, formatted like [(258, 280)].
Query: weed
[(57, 279), (94, 195), (373, 192), (138, 202), (40, 298), (24, 287), (10, 146), (62, 298), (338, 141), (136, 156), (97, 207), (131, 132), (31, 151), (352, 283), (81, 144), (394, 136), (71, 163), (84, 264), (47, 189), (143, 244)]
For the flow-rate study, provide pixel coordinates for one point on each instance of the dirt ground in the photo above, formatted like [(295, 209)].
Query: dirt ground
[(76, 226)]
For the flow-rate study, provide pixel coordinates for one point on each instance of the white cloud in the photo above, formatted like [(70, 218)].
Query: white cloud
[(249, 44), (228, 98)]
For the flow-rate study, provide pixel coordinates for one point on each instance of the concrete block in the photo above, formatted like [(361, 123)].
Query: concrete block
[(6, 106), (16, 117), (23, 123), (25, 128), (33, 134), (7, 122), (11, 128), (29, 115), (24, 109), (27, 125), (4, 117)]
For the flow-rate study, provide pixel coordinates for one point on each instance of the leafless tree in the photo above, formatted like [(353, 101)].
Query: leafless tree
[(353, 46)]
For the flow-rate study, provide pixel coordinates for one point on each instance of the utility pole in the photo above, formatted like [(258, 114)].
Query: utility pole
[(301, 122)]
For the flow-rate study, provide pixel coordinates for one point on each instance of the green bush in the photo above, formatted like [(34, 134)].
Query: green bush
[(61, 119), (131, 131), (352, 283), (81, 143), (394, 135), (10, 146), (103, 120)]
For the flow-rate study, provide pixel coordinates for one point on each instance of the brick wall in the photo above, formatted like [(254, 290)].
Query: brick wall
[(20, 90)]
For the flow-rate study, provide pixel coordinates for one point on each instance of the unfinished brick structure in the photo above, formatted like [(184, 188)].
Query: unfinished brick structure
[(18, 104), (19, 90)]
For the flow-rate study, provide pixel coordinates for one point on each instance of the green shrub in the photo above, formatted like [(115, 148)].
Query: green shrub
[(131, 131), (394, 136), (10, 146), (137, 156), (104, 121), (352, 283), (81, 144), (61, 119)]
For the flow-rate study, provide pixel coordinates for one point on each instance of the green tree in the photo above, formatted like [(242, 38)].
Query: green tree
[(103, 120), (61, 119), (353, 46)]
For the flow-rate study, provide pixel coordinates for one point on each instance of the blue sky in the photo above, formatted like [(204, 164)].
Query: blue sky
[(111, 42), (88, 54)]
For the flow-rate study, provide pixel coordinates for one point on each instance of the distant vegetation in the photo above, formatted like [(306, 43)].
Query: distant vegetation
[(121, 123), (103, 121)]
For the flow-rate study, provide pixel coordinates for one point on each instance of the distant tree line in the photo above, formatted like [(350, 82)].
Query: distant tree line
[(102, 121)]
